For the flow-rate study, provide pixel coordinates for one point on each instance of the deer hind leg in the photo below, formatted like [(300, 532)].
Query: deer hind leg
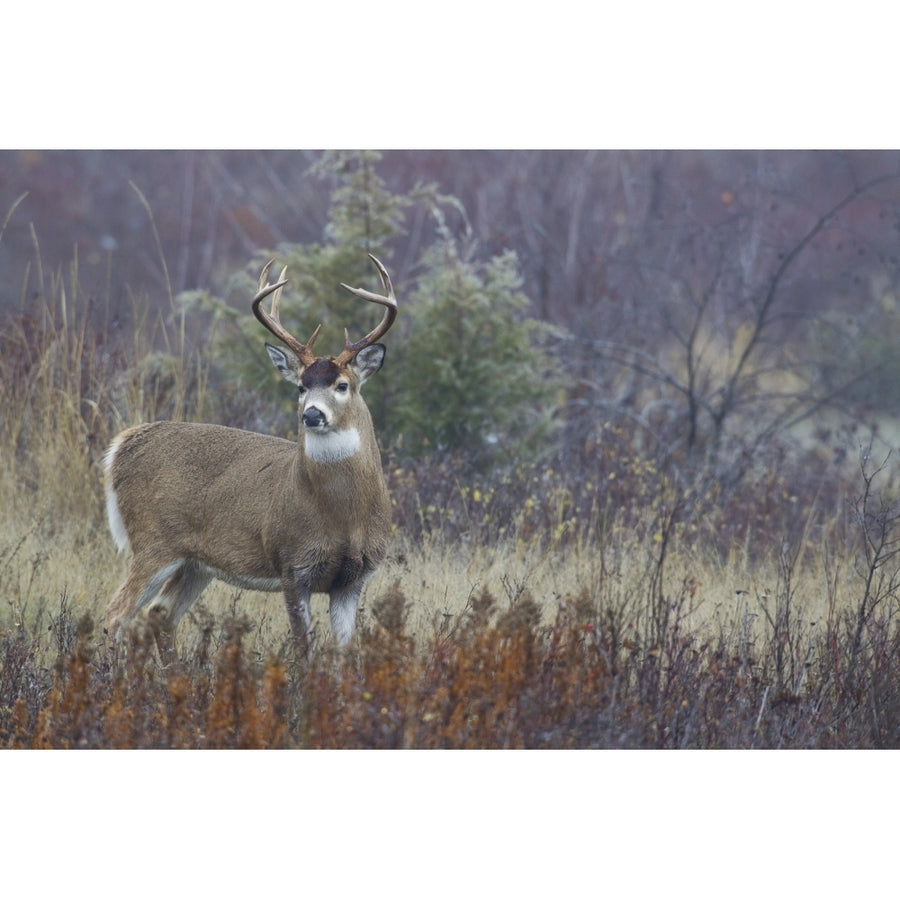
[(178, 585), (179, 592), (143, 582)]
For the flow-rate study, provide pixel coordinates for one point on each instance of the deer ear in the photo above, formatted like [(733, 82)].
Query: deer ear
[(368, 361), (286, 362)]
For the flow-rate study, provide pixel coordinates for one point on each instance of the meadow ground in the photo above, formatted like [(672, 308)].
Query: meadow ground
[(634, 639)]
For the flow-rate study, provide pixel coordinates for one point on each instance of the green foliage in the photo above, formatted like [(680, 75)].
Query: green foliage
[(362, 213), (472, 376)]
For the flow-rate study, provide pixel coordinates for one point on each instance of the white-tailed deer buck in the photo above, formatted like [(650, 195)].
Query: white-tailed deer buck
[(198, 502)]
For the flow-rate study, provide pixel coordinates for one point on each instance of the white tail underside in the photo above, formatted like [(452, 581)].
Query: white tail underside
[(114, 517)]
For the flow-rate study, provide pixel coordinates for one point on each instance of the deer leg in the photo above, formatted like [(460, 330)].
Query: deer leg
[(163, 634), (342, 609), (296, 599), (144, 580), (183, 587)]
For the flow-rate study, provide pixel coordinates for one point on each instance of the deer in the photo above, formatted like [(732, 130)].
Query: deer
[(197, 502)]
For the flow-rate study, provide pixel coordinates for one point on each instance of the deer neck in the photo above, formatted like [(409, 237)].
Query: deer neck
[(331, 447), (338, 458), (342, 474), (352, 445)]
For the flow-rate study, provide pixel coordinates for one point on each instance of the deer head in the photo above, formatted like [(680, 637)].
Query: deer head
[(329, 404)]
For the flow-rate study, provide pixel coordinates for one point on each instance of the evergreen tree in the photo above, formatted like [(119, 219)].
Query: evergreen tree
[(473, 376)]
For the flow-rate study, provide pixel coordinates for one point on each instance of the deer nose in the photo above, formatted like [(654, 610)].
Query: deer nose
[(313, 417)]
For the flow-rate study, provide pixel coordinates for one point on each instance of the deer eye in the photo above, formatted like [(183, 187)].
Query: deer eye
[(342, 387), (301, 390)]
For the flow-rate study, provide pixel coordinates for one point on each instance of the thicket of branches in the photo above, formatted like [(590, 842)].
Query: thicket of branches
[(717, 305)]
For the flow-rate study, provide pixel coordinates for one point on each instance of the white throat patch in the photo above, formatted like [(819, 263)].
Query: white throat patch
[(331, 446)]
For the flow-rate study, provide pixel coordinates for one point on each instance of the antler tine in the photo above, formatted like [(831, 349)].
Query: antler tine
[(272, 320), (390, 313)]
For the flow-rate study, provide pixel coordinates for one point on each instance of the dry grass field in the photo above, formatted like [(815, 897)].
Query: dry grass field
[(591, 604)]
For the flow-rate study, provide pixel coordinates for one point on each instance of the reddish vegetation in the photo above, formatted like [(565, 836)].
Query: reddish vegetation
[(493, 680)]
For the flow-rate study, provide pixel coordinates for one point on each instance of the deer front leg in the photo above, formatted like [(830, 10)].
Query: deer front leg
[(342, 609), (296, 599)]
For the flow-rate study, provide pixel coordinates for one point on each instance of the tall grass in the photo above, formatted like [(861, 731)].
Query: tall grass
[(591, 602)]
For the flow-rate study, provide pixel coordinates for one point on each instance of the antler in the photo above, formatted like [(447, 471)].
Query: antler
[(304, 351), (390, 313), (271, 319)]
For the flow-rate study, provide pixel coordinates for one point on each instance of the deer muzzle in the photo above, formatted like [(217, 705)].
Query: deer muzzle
[(313, 417)]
